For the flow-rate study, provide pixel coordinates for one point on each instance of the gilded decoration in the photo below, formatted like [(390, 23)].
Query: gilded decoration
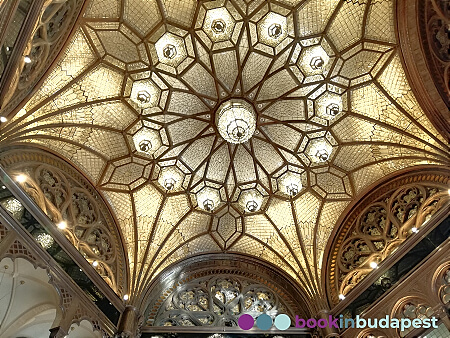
[(217, 301), (57, 18), (380, 224), (435, 23), (133, 103), (74, 207)]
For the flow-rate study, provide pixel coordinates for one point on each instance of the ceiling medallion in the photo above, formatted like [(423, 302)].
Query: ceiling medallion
[(236, 121)]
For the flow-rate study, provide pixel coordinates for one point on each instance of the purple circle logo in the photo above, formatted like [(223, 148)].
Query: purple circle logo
[(246, 322)]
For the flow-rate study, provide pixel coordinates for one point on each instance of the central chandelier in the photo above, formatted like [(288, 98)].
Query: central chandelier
[(236, 121)]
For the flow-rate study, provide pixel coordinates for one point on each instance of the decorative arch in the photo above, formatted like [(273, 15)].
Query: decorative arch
[(32, 303), (249, 280), (441, 283), (65, 195), (379, 222), (411, 307), (424, 49)]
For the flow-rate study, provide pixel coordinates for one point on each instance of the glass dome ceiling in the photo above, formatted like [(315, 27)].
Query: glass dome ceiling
[(134, 98)]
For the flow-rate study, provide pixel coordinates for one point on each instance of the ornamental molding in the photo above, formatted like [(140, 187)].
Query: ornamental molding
[(424, 46), (50, 36), (375, 226), (65, 195), (421, 288), (231, 265)]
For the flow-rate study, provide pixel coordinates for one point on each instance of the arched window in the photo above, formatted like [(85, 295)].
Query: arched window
[(217, 301)]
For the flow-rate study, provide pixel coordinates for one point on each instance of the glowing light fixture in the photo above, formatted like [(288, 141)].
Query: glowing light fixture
[(171, 49), (146, 141), (272, 29), (341, 297), (13, 206), (218, 24), (275, 30), (320, 150), (373, 265), (171, 178), (290, 183), (169, 183), (126, 297), (62, 225), (415, 230), (3, 119), (94, 264), (21, 178), (208, 199), (313, 60), (27, 59), (328, 105), (45, 240), (145, 93), (236, 121), (251, 200)]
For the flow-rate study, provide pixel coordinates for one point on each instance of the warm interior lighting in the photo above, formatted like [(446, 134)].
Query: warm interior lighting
[(328, 105), (275, 30), (218, 24), (341, 297), (272, 29), (145, 93), (27, 59), (146, 141), (333, 109), (236, 121), (125, 297), (62, 225), (3, 119), (292, 189), (252, 206), (94, 264), (373, 265), (208, 199), (171, 178), (415, 230), (145, 146), (208, 205), (320, 150), (313, 60), (169, 183), (21, 178), (171, 49), (45, 240), (251, 200)]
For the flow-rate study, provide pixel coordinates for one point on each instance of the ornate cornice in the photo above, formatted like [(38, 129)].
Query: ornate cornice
[(220, 264), (33, 160), (431, 181), (424, 47), (50, 35)]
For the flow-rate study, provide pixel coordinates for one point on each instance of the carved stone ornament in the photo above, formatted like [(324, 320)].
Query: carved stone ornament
[(67, 197), (56, 20), (380, 225), (435, 32), (217, 301)]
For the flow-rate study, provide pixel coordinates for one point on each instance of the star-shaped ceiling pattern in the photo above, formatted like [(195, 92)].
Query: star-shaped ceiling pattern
[(133, 102)]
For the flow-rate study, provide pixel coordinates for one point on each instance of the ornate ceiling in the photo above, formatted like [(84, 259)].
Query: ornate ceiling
[(135, 97)]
